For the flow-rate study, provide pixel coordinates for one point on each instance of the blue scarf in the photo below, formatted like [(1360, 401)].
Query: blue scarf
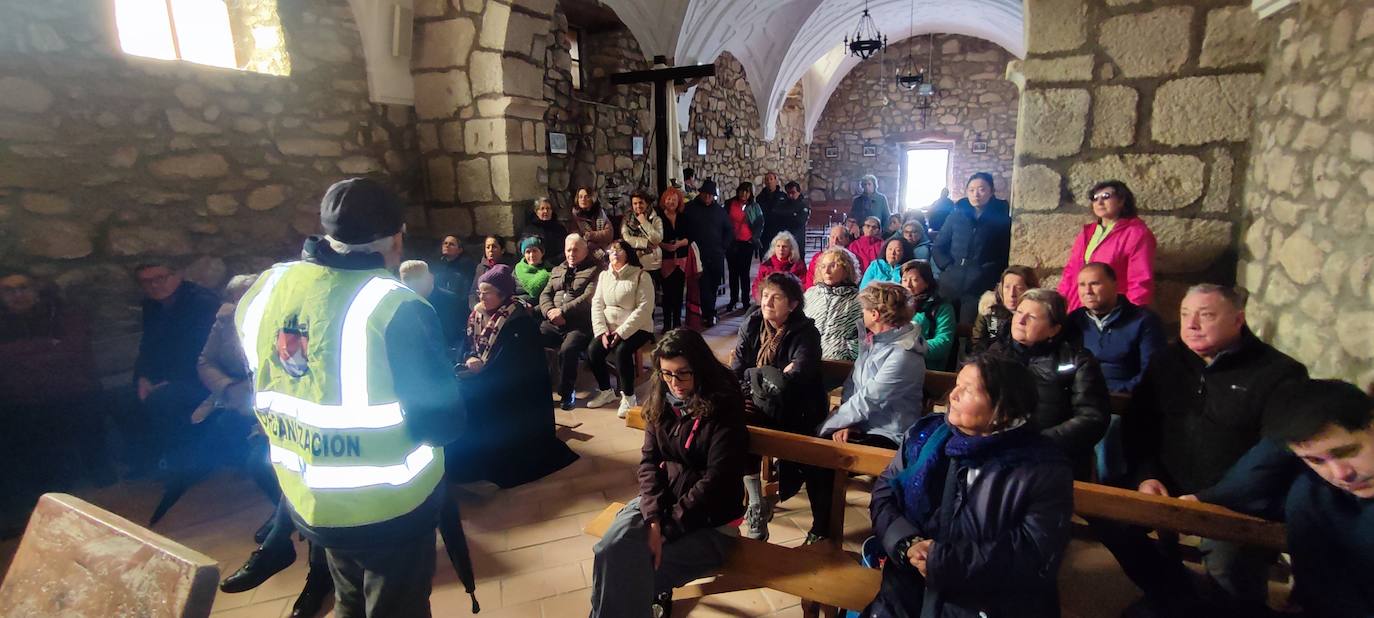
[(934, 445)]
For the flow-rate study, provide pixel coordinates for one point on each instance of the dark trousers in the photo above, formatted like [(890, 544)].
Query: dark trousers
[(385, 581), (570, 345), (820, 484), (159, 426), (624, 351), (673, 291), (708, 281), (738, 258)]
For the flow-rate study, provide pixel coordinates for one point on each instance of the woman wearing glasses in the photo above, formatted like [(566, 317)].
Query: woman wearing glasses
[(869, 247), (1117, 238), (695, 451)]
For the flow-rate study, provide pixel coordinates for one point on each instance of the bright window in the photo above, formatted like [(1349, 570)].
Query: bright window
[(202, 31), (927, 171), (575, 50)]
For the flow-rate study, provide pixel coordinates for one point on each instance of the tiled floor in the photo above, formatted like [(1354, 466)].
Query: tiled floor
[(531, 559)]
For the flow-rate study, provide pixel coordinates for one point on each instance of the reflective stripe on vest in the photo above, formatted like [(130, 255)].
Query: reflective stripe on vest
[(355, 410)]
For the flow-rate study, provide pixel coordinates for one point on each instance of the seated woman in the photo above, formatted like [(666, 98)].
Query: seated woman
[(868, 247), (622, 322), (973, 513), (993, 323), (543, 223), (777, 360), (882, 396), (893, 229), (507, 404), (934, 315), (833, 303), (590, 220), (887, 269), (493, 253), (696, 448), (917, 239), (783, 256), (1073, 406), (531, 272)]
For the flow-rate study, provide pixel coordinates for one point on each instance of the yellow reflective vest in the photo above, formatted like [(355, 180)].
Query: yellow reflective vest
[(339, 442)]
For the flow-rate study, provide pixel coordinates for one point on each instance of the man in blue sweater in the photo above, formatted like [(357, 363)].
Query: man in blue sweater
[(1123, 337)]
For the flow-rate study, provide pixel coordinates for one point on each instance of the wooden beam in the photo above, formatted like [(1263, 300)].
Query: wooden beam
[(691, 71)]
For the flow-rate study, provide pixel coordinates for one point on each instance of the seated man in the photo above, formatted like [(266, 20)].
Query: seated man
[(1123, 337), (453, 270), (1198, 409), (566, 303), (449, 306), (177, 316)]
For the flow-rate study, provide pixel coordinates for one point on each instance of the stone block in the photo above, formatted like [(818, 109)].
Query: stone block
[(1052, 122), (495, 21), (1148, 44), (474, 181), (221, 204), (45, 203), (24, 95), (1188, 245), (522, 31), (516, 177), (1036, 187), (147, 240), (1256, 240), (266, 198), (1200, 110), (438, 96), (428, 134), (1301, 258), (430, 8), (1360, 107), (486, 73), (191, 95), (1043, 240), (495, 219), (1356, 330), (1055, 25), (451, 221), (1160, 182), (309, 147), (442, 185), (359, 165), (1234, 36), (199, 165), (525, 79), (445, 43), (55, 239), (1114, 116), (1067, 69), (1362, 145), (451, 136), (182, 122), (1218, 196), (490, 136)]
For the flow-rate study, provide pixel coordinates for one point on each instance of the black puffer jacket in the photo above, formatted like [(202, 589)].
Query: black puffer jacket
[(971, 249), (1074, 404), (804, 400)]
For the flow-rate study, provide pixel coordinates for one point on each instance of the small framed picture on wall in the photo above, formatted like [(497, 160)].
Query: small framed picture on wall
[(746, 151), (832, 152), (701, 146), (870, 150), (799, 152), (558, 143), (637, 145), (978, 147)]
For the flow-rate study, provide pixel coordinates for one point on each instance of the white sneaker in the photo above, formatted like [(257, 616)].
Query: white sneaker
[(627, 402), (602, 398)]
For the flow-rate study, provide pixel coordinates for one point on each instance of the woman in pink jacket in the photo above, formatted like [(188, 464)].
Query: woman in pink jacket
[(1118, 238), (784, 256)]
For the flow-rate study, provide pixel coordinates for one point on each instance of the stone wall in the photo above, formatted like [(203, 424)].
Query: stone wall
[(1157, 94), (111, 160), (601, 120), (975, 102), (1308, 242), (479, 97), (725, 98)]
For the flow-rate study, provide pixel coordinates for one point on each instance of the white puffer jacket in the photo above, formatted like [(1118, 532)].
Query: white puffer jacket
[(624, 302)]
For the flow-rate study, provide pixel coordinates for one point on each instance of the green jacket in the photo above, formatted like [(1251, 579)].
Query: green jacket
[(935, 319)]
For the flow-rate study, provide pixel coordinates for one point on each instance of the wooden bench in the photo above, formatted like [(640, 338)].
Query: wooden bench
[(827, 575), (941, 382), (77, 559)]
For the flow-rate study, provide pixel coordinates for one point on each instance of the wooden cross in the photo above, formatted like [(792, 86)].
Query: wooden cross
[(660, 78)]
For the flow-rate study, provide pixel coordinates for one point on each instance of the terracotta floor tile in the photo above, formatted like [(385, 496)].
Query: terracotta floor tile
[(541, 584), (560, 506), (734, 604), (568, 551), (576, 604), (270, 609), (543, 532)]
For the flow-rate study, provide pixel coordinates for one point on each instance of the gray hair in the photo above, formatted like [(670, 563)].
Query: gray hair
[(381, 245), (238, 286), (1054, 304), (412, 270), (1237, 296), (869, 178), (575, 239), (540, 201), (791, 240)]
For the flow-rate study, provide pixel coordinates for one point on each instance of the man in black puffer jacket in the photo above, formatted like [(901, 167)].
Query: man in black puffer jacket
[(1198, 410)]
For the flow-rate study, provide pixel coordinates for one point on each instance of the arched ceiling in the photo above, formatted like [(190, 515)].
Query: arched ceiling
[(782, 41)]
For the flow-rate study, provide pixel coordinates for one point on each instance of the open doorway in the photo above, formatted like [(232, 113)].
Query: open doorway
[(925, 170)]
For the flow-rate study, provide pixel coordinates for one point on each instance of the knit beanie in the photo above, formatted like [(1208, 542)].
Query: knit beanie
[(499, 276), (531, 241)]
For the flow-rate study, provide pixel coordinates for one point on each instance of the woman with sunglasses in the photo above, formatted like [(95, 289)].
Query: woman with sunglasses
[(696, 448), (1117, 237)]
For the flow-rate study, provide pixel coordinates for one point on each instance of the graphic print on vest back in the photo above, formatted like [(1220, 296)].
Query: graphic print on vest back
[(292, 341)]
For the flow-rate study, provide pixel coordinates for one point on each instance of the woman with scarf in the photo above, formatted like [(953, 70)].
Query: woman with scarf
[(531, 272), (1074, 407), (833, 302), (696, 448), (778, 363), (973, 514), (507, 405), (493, 253), (783, 257), (675, 246), (746, 221), (934, 316), (590, 220), (888, 267), (643, 229), (995, 308), (542, 222)]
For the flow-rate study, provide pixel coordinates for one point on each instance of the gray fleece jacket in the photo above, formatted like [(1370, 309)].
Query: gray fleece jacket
[(883, 395)]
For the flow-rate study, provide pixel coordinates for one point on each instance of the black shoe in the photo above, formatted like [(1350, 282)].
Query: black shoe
[(261, 534), (663, 605), (318, 587), (260, 566), (569, 402)]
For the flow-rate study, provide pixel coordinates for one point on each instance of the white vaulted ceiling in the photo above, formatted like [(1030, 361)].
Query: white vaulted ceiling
[(782, 41)]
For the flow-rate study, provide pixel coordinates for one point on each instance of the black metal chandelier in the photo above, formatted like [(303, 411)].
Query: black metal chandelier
[(915, 77), (867, 40)]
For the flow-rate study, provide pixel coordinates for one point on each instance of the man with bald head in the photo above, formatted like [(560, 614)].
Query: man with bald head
[(1198, 409), (839, 239)]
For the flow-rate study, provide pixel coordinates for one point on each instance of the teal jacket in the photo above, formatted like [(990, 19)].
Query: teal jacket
[(880, 270), (935, 319)]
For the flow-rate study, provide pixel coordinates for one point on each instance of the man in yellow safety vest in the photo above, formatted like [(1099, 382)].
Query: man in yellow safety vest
[(357, 399)]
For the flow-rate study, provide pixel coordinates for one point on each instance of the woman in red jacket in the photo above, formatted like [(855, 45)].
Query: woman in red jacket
[(1118, 238), (783, 257)]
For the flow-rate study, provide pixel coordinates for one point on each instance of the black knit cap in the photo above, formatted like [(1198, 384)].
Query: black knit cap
[(360, 210)]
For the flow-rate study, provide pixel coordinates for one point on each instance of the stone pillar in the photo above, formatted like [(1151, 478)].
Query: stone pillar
[(479, 95), (1159, 95), (1308, 237)]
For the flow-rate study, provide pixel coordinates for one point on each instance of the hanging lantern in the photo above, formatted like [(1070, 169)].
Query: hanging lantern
[(915, 77), (867, 40)]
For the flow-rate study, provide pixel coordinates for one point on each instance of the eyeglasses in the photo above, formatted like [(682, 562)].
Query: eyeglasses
[(1103, 196), (681, 376), (155, 279)]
